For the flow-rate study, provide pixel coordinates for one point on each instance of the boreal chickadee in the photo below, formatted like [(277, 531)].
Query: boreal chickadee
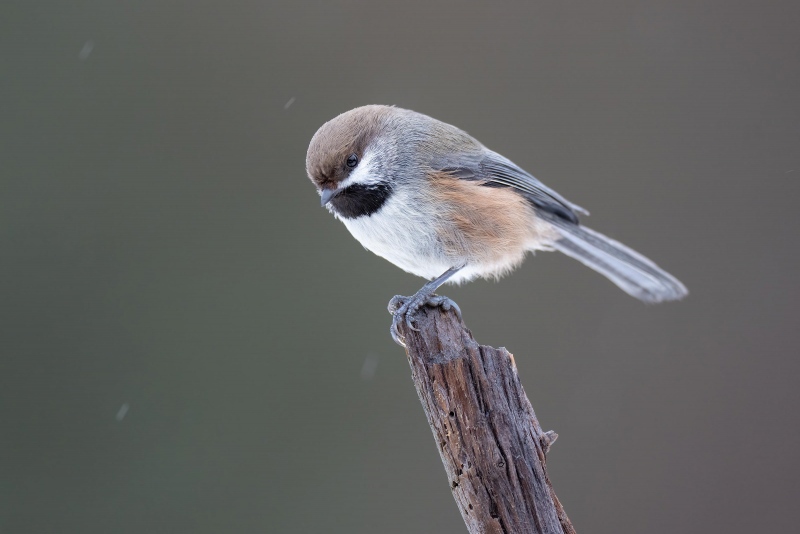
[(437, 203)]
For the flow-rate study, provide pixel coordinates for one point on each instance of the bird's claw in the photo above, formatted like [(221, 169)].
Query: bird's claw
[(405, 308), (446, 303), (395, 303)]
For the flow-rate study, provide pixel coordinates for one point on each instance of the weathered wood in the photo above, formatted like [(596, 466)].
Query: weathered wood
[(491, 444)]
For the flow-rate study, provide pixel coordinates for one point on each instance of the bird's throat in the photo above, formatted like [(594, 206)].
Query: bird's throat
[(360, 200)]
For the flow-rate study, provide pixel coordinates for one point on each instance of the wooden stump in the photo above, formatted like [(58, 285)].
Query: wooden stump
[(491, 444)]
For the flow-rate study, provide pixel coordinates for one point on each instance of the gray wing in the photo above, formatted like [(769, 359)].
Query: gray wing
[(497, 171)]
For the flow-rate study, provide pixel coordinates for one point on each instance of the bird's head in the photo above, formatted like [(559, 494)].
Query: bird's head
[(351, 160)]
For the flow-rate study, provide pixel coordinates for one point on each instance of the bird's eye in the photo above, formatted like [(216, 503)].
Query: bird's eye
[(352, 160)]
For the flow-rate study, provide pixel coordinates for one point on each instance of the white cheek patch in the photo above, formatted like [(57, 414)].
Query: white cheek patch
[(364, 173)]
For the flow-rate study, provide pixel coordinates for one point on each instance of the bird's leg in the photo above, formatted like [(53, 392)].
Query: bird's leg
[(404, 308)]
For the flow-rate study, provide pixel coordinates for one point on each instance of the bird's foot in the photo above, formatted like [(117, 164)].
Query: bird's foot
[(405, 308)]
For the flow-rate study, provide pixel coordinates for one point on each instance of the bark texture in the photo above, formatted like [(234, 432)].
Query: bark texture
[(491, 444)]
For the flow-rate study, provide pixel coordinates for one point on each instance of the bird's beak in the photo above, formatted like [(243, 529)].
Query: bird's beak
[(327, 196)]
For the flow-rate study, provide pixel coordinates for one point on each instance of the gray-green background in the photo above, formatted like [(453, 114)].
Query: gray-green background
[(162, 250)]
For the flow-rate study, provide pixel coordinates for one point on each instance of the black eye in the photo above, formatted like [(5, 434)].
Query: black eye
[(352, 160)]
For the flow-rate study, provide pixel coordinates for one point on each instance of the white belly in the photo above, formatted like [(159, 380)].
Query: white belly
[(398, 233), (404, 232)]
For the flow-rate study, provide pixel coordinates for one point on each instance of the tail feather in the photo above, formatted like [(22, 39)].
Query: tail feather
[(632, 272)]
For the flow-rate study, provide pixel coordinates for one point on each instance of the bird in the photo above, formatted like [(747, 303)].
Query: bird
[(434, 201)]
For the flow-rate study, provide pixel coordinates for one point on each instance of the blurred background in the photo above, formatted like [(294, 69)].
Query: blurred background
[(188, 343)]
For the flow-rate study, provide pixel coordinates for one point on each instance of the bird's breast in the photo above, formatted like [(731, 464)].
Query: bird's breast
[(452, 223), (402, 232)]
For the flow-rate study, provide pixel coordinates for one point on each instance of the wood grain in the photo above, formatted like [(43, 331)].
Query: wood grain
[(490, 442)]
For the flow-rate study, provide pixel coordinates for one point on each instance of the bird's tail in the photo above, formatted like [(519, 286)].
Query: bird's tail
[(632, 272)]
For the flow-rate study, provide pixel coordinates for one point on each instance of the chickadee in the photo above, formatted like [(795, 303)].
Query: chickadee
[(437, 203)]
